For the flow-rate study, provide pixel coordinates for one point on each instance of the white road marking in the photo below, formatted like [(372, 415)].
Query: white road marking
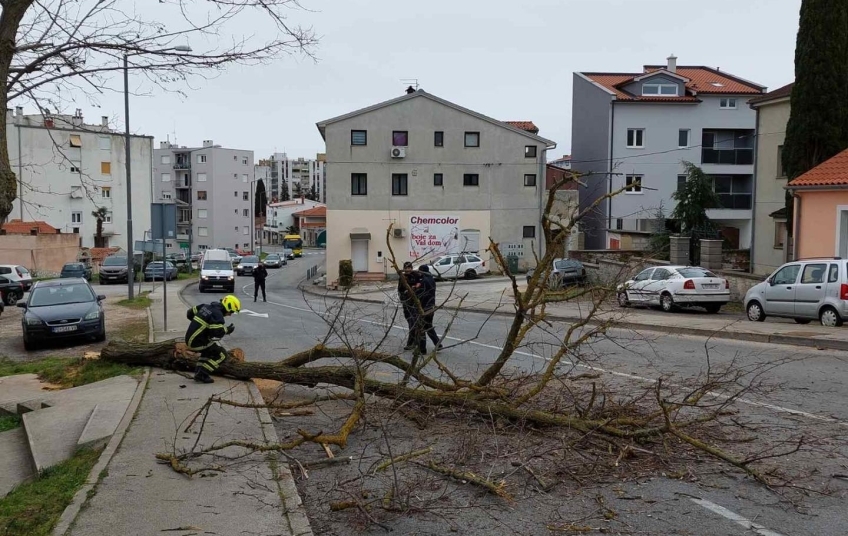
[(736, 518), (248, 312)]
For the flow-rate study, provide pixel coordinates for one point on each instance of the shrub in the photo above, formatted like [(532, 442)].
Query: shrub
[(345, 273)]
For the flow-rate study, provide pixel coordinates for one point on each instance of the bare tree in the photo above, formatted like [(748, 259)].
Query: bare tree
[(52, 51)]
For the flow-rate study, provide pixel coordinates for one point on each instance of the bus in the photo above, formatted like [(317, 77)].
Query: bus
[(294, 243)]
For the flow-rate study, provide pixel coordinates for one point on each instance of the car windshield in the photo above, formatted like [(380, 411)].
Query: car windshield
[(217, 265), (250, 259), (695, 272), (115, 261), (60, 295), (567, 263)]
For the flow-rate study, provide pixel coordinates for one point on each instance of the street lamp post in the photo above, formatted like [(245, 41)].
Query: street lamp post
[(130, 245)]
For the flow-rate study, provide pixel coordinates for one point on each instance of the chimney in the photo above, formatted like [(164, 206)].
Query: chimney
[(19, 111), (672, 64), (104, 120), (409, 90), (208, 143)]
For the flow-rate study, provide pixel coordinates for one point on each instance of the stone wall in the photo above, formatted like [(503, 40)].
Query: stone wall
[(44, 253)]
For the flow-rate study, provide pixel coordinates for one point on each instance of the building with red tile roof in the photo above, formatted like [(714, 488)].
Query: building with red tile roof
[(529, 126), (28, 227)]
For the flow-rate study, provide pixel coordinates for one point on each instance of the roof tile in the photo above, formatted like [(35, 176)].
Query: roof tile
[(25, 227), (779, 93), (316, 212), (701, 80), (832, 172), (524, 125)]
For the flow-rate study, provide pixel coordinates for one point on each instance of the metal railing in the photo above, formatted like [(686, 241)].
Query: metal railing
[(312, 272)]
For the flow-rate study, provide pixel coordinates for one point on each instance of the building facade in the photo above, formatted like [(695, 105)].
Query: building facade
[(69, 169), (769, 244), (445, 179), (211, 186), (292, 178), (281, 217), (631, 132)]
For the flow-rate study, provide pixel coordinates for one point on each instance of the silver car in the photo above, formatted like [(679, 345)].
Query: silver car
[(806, 290)]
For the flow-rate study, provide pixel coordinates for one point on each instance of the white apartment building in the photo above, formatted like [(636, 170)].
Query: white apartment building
[(279, 217), (69, 169), (291, 178)]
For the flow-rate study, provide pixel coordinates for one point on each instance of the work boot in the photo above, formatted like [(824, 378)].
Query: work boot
[(201, 376)]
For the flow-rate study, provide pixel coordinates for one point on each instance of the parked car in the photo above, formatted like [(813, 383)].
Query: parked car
[(196, 256), (564, 272), (10, 291), (113, 270), (2, 307), (62, 309), (465, 265), (274, 261), (176, 258), (247, 265), (76, 269), (676, 286), (806, 290), (155, 270), (16, 272), (288, 253)]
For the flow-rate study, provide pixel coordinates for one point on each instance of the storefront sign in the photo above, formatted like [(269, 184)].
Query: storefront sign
[(433, 235)]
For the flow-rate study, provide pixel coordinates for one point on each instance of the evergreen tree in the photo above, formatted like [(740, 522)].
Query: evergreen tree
[(818, 122), (693, 201), (661, 236), (260, 199), (284, 191)]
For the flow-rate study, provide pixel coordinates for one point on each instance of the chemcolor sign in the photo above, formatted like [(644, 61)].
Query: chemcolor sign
[(432, 235)]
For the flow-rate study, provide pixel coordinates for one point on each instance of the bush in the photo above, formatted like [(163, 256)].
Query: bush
[(346, 273)]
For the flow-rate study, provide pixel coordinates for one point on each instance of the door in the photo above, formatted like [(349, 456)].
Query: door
[(656, 284), (359, 255), (810, 291), (445, 267), (635, 289), (780, 294), (469, 240)]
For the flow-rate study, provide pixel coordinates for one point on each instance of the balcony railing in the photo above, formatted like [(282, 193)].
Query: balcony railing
[(182, 165), (731, 157), (734, 201), (182, 184)]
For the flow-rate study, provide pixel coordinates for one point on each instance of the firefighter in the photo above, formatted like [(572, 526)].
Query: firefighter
[(205, 330)]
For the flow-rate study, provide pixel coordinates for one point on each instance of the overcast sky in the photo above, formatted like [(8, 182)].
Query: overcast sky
[(508, 59)]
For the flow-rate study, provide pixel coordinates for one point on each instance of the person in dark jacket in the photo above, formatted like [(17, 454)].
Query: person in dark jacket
[(259, 275), (205, 330), (428, 302), (407, 301)]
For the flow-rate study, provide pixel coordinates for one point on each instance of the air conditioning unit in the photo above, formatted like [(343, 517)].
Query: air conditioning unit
[(399, 233), (398, 152)]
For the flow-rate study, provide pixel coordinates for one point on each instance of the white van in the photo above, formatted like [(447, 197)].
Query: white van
[(216, 271)]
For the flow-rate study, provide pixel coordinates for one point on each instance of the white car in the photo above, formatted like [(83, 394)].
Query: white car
[(457, 265), (675, 286)]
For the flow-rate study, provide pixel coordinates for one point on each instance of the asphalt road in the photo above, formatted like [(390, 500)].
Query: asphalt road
[(805, 392)]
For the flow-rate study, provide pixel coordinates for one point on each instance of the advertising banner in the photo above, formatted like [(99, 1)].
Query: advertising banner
[(431, 235)]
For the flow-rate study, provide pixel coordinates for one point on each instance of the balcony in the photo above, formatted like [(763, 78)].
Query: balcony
[(186, 164), (734, 191), (731, 157), (182, 184), (727, 147)]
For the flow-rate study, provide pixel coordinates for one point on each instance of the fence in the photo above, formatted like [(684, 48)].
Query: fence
[(312, 272)]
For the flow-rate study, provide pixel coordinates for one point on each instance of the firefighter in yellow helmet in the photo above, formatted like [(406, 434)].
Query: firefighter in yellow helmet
[(205, 330)]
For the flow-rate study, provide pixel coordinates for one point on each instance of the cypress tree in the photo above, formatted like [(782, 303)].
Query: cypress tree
[(818, 122), (260, 199)]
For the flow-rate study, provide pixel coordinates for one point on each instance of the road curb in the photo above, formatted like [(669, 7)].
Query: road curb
[(770, 338), (69, 515)]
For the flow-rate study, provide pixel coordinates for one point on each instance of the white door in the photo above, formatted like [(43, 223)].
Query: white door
[(469, 240), (359, 255)]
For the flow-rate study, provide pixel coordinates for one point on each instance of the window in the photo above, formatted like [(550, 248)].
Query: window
[(471, 179), (76, 217), (201, 177), (635, 138), (235, 194), (359, 137), (358, 184), (235, 211), (665, 90), (245, 213), (106, 192), (400, 138), (202, 213), (619, 224), (732, 147), (472, 139), (106, 168), (779, 234), (201, 159), (108, 218), (633, 184), (438, 179), (727, 104), (734, 191), (660, 274), (75, 169), (780, 173), (813, 274), (439, 138), (244, 177), (244, 160), (787, 275), (166, 159), (201, 195), (681, 182), (683, 138), (246, 230), (166, 195), (202, 231), (76, 140), (235, 176), (236, 228), (530, 179), (166, 177), (245, 245), (833, 273), (104, 142), (644, 275), (399, 184), (529, 151), (245, 196), (529, 231)]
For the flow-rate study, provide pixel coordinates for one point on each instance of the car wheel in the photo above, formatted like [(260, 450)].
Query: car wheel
[(11, 298), (802, 321), (101, 335), (712, 308), (622, 299), (29, 345), (470, 274), (755, 312), (830, 318), (667, 303)]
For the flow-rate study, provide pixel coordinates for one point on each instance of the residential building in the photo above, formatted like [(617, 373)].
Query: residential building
[(566, 204), (445, 178), (632, 132), (769, 236), (821, 210), (280, 217), (291, 178), (211, 186), (312, 224), (68, 169), (563, 162)]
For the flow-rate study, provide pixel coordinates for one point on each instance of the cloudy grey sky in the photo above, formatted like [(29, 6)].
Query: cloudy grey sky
[(509, 59)]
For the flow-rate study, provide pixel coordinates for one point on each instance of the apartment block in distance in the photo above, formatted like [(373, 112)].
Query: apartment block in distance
[(447, 178), (69, 169), (292, 178), (211, 186), (633, 131)]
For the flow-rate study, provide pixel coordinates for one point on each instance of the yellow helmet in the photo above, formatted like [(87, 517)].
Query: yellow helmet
[(231, 304)]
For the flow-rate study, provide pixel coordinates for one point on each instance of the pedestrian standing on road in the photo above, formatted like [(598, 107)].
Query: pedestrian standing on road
[(205, 330), (259, 275), (429, 305), (407, 301)]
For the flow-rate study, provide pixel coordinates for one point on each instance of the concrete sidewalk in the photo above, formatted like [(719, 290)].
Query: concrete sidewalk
[(495, 295), (255, 493)]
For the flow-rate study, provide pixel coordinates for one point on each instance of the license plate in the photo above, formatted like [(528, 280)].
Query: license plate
[(711, 287), (64, 329)]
